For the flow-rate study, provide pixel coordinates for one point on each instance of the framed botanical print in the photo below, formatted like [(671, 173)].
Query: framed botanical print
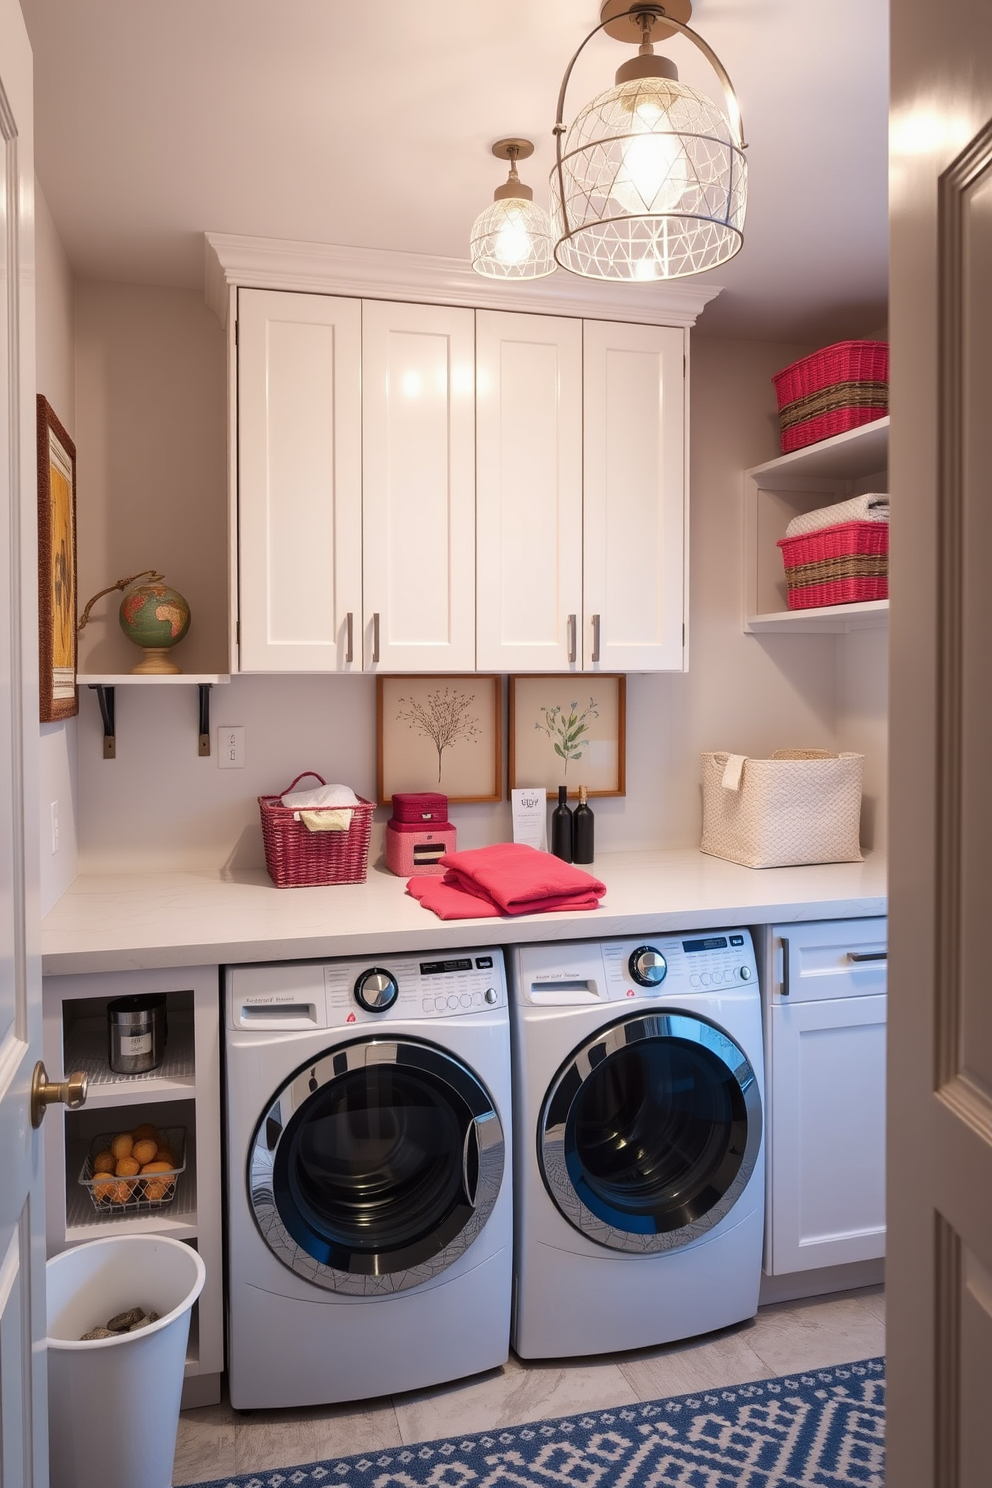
[(441, 734), (56, 567), (569, 730)]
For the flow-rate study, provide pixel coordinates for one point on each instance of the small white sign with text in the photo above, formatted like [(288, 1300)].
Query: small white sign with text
[(530, 817)]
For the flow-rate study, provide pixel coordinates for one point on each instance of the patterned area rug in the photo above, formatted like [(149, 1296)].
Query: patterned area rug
[(822, 1429)]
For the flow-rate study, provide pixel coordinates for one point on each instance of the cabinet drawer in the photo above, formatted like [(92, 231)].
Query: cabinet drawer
[(826, 959)]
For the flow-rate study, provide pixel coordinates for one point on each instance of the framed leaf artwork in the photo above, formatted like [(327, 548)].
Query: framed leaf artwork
[(569, 730), (56, 567), (440, 733)]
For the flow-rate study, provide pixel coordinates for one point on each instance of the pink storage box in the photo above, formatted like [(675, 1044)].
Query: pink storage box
[(412, 850), (420, 806)]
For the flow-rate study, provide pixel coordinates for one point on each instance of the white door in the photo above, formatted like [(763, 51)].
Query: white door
[(299, 482), (418, 430), (636, 493), (939, 1268), (528, 492), (23, 1385)]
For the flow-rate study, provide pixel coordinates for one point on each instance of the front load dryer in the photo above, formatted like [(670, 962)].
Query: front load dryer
[(369, 1218), (639, 1174)]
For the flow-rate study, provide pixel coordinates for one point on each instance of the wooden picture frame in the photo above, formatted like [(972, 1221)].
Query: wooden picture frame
[(59, 697), (569, 730), (440, 733)]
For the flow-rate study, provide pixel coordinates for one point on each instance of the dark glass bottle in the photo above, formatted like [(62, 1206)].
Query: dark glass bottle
[(561, 827), (583, 830)]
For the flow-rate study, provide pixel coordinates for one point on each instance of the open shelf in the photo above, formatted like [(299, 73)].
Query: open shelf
[(832, 470), (128, 679)]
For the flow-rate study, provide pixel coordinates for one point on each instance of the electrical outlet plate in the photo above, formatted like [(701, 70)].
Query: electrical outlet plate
[(231, 748)]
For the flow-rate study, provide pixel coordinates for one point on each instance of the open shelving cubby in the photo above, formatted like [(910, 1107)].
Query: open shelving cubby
[(832, 470), (183, 1091)]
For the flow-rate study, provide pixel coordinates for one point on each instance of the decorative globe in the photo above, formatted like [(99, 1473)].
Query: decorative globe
[(155, 617)]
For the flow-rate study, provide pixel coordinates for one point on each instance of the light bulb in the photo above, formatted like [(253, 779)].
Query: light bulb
[(513, 244), (649, 180)]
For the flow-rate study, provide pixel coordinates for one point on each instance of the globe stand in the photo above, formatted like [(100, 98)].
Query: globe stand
[(156, 663)]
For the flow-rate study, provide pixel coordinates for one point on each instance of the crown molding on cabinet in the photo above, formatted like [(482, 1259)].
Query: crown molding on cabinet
[(231, 259)]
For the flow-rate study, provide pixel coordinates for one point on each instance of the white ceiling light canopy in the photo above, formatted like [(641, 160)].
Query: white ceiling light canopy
[(512, 238), (650, 180)]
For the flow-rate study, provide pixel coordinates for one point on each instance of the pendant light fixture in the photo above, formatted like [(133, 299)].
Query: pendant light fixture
[(512, 238), (650, 180)]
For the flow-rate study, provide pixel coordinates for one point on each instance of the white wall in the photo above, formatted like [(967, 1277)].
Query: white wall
[(56, 381), (159, 805)]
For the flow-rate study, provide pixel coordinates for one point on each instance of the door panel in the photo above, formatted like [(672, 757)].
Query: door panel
[(299, 481), (636, 486), (419, 487), (529, 461)]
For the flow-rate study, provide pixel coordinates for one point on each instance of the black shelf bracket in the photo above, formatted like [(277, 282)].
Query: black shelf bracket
[(203, 746), (105, 697)]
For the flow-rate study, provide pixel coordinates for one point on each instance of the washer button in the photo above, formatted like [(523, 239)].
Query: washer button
[(694, 981), (466, 999), (745, 973), (428, 1004), (439, 1004), (492, 995), (452, 1001), (705, 978)]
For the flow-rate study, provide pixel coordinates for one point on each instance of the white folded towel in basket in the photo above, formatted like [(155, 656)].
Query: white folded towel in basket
[(873, 506)]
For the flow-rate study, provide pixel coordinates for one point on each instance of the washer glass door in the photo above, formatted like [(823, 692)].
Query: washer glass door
[(376, 1166), (651, 1131)]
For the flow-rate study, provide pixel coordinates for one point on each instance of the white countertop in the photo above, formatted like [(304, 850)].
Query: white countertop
[(126, 922)]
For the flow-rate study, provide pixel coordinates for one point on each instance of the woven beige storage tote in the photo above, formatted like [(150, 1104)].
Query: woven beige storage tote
[(800, 806)]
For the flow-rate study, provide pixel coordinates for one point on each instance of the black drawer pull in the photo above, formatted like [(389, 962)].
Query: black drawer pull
[(868, 955), (785, 967)]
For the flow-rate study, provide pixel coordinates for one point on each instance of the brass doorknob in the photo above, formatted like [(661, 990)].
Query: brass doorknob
[(70, 1092)]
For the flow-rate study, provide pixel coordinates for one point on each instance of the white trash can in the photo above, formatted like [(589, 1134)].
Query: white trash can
[(114, 1402)]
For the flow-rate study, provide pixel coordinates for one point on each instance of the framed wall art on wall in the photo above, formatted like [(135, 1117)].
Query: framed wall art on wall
[(569, 730), (440, 733), (56, 567)]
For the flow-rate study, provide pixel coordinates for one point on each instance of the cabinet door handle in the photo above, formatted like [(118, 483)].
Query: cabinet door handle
[(595, 637), (572, 637), (349, 654), (375, 637), (785, 989), (868, 955)]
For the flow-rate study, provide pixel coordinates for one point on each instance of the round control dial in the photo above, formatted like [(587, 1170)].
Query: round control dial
[(376, 990), (648, 967)]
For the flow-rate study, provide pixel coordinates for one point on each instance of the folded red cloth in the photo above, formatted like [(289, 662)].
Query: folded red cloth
[(521, 880), (449, 903)]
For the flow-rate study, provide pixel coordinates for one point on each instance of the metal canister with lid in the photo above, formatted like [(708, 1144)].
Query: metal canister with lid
[(136, 1030)]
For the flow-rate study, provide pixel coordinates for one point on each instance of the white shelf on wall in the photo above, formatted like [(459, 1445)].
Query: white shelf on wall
[(129, 679), (774, 493)]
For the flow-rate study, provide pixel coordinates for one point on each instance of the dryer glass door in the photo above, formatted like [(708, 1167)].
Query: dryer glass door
[(651, 1131), (375, 1167)]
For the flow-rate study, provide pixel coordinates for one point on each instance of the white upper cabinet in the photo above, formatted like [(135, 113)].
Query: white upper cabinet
[(528, 492), (299, 482), (418, 434), (635, 522)]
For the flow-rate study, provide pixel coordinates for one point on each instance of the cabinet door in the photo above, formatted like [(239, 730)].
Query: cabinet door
[(299, 482), (419, 487), (826, 996), (529, 492), (635, 523)]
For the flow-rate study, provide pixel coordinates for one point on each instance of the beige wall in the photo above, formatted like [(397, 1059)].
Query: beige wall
[(57, 778), (151, 390)]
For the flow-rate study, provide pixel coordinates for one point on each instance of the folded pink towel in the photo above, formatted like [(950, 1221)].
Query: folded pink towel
[(521, 880), (449, 903)]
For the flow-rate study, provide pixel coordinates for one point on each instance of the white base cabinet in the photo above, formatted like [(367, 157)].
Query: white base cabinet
[(824, 994), (184, 1091)]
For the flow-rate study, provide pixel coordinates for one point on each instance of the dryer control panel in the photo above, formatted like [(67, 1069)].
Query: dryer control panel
[(650, 966), (375, 989)]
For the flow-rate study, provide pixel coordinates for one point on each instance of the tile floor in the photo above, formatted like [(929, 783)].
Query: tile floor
[(216, 1441)]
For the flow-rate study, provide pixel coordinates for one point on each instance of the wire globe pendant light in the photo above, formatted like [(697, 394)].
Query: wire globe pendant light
[(512, 238), (650, 180)]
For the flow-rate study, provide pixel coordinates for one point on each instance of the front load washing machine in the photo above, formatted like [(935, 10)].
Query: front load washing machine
[(639, 1175), (369, 1220)]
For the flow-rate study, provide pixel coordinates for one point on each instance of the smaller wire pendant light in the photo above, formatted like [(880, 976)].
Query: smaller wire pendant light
[(512, 238)]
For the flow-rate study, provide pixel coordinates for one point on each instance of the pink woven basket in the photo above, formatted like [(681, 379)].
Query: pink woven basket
[(298, 858), (837, 565), (840, 387)]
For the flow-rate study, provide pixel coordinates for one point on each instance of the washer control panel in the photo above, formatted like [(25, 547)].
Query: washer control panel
[(662, 966)]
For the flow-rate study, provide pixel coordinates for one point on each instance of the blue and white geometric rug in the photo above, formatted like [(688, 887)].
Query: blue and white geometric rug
[(820, 1429)]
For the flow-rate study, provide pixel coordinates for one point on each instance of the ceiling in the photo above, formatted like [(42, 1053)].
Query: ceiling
[(365, 125)]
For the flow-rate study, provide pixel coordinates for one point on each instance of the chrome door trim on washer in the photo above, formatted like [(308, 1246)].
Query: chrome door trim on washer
[(477, 1159), (561, 1165)]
